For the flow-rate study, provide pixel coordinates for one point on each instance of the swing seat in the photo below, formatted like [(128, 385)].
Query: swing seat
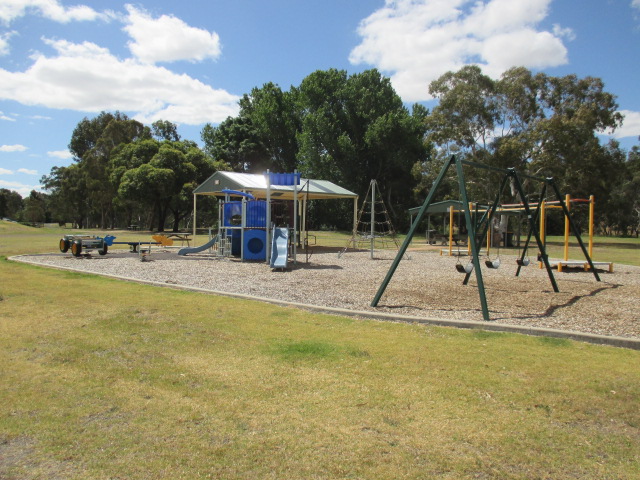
[(468, 268), (523, 262), (493, 263)]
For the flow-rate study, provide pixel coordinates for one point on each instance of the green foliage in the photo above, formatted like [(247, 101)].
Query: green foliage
[(123, 176), (10, 203)]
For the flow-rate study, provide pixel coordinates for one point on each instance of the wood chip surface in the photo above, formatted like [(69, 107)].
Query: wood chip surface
[(426, 285)]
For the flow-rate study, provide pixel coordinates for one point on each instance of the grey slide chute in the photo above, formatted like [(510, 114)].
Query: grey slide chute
[(279, 248), (188, 250)]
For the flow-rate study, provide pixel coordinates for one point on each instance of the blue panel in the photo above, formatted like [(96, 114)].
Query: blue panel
[(285, 178), (256, 214), (255, 242), (232, 214)]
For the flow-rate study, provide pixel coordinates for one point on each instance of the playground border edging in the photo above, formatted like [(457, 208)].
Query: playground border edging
[(613, 341)]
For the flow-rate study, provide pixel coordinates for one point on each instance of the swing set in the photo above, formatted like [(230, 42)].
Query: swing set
[(478, 228)]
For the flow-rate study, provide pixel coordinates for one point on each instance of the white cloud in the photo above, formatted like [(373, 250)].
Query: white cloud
[(416, 41), (4, 171), (168, 39), (4, 117), (635, 3), (4, 43), (50, 9), (630, 126), (88, 78), (64, 154), (27, 171), (12, 148), (23, 189)]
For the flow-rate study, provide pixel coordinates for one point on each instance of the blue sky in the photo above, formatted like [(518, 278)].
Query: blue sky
[(190, 61)]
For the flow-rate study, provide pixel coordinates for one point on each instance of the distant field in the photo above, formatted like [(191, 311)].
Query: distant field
[(108, 379)]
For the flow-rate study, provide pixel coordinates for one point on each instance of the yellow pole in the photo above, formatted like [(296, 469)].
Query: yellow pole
[(567, 201), (592, 207), (469, 233), (451, 230), (543, 221)]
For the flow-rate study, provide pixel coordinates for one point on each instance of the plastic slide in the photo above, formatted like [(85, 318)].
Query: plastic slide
[(279, 248), (188, 250)]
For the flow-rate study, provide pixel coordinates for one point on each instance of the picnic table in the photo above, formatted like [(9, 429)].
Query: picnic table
[(181, 237)]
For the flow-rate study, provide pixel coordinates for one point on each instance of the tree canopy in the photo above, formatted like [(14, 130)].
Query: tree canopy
[(350, 129)]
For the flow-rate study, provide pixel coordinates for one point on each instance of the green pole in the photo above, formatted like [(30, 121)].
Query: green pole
[(532, 226), (543, 251), (414, 226), (474, 247)]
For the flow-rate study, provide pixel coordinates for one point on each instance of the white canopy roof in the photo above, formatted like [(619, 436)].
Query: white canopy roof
[(256, 184)]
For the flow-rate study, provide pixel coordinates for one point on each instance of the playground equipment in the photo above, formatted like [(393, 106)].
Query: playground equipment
[(80, 244), (210, 244), (279, 248), (135, 247), (246, 224), (376, 226), (287, 196), (473, 225), (83, 243)]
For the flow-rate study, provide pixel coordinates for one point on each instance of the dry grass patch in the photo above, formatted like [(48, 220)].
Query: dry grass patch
[(109, 379)]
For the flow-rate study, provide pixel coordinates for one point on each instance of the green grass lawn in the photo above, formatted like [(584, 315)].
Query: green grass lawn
[(108, 379)]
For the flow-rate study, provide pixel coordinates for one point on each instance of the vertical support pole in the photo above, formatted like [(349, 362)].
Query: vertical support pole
[(592, 207), (243, 224), (574, 229), (268, 220), (304, 217), (474, 246), (532, 227), (355, 218), (295, 216), (469, 240), (373, 215), (451, 218), (566, 227), (543, 251), (194, 218), (543, 223), (412, 230)]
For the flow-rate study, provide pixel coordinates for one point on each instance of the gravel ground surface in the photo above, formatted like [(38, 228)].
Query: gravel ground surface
[(427, 285)]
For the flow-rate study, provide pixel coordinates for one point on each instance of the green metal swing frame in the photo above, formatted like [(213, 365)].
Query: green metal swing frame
[(483, 224)]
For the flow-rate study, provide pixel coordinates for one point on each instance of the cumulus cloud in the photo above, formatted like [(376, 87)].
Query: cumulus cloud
[(13, 148), (63, 154), (630, 126), (4, 43), (27, 171), (87, 77), (4, 171), (168, 38), (416, 41), (23, 189), (50, 9)]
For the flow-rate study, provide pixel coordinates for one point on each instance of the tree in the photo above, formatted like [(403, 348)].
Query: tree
[(275, 119), (35, 208), (92, 143), (159, 176), (165, 130), (539, 124), (68, 194), (356, 129), (10, 203)]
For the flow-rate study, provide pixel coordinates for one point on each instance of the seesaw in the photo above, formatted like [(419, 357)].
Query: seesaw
[(85, 243)]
